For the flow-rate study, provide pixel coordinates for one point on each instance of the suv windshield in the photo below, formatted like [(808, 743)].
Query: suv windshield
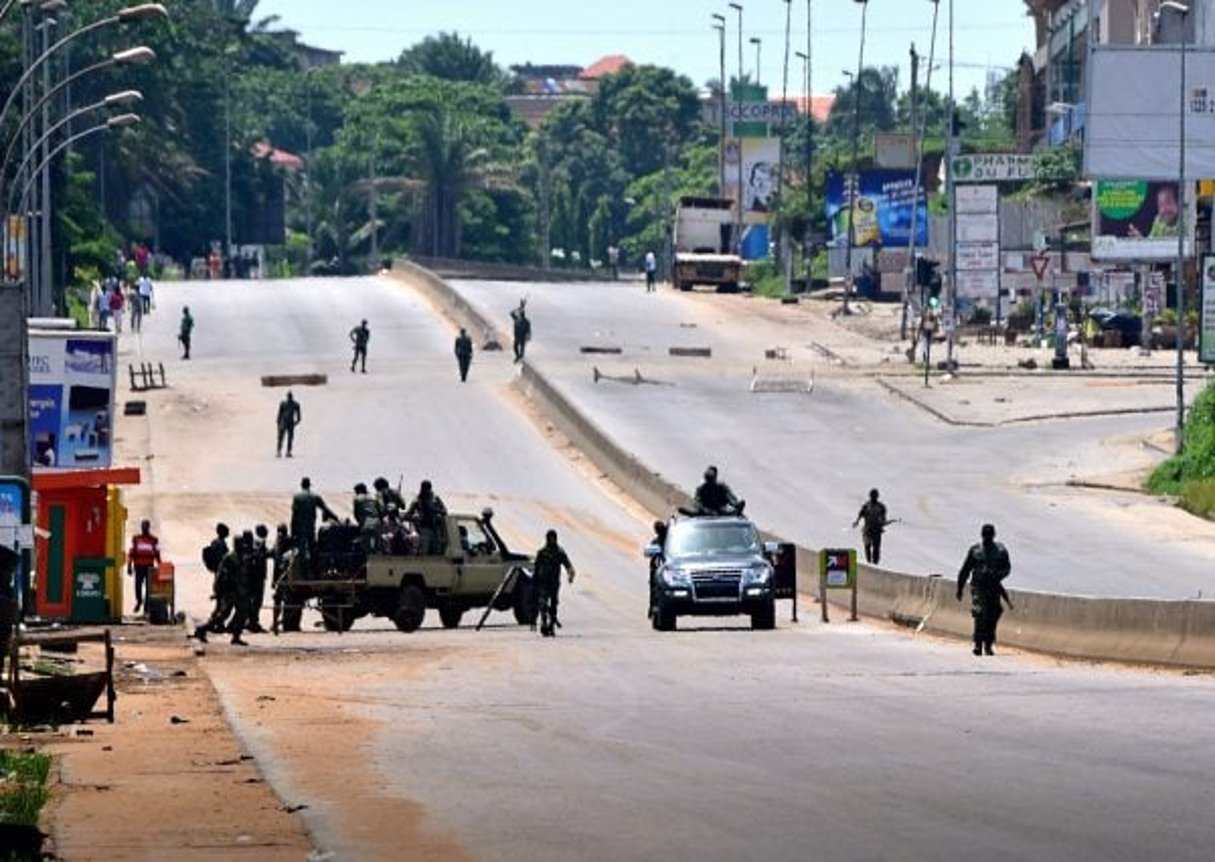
[(703, 537)]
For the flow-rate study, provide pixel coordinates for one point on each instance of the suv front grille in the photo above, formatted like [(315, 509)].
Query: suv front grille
[(716, 585)]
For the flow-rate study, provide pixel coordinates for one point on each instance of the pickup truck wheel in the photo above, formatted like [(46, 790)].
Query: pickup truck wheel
[(525, 601), (764, 620), (450, 615), (411, 608)]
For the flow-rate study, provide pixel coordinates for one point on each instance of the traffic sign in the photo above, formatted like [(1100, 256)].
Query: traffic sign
[(1040, 262)]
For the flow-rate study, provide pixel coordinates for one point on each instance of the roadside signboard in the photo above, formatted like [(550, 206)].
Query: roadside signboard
[(978, 255), (992, 168), (1206, 330), (979, 228), (73, 378), (881, 206), (978, 199), (836, 571), (980, 284), (1138, 220)]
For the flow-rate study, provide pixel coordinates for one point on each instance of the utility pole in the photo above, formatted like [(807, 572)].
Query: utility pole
[(909, 275), (951, 190), (781, 258), (719, 24), (738, 224), (851, 193), (373, 211)]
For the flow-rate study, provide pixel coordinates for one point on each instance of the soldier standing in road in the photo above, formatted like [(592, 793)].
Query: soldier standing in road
[(289, 416), (360, 335), (429, 515), (464, 353), (549, 561), (986, 566), (213, 555), (259, 561), (716, 498), (143, 556), (304, 506), (234, 585), (184, 331), (873, 513), (522, 330), (281, 555)]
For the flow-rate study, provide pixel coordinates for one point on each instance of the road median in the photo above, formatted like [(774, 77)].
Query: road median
[(1149, 631)]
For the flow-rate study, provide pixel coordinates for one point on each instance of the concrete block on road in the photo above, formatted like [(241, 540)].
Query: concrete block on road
[(704, 352), (601, 348), (295, 379)]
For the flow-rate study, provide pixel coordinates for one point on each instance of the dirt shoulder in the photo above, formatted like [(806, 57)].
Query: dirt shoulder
[(167, 780)]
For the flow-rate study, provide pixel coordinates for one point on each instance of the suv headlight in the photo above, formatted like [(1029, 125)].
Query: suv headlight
[(676, 577), (760, 573)]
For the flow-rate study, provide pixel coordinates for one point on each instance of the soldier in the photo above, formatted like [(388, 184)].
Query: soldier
[(368, 514), (873, 513), (234, 578), (259, 562), (522, 330), (184, 331), (986, 565), (360, 335), (429, 515), (304, 506), (143, 556), (387, 495), (716, 498), (549, 561), (289, 415), (281, 554), (464, 353), (213, 555)]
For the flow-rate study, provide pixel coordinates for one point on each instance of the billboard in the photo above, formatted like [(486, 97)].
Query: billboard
[(1206, 327), (1138, 220), (1134, 102), (760, 162), (73, 378), (882, 209)]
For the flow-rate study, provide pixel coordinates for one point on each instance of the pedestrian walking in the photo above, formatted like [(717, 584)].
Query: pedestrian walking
[(522, 330), (135, 303), (146, 292), (360, 335), (116, 307), (651, 271), (184, 331), (95, 297), (464, 353), (873, 514), (289, 415), (550, 560), (143, 556), (304, 506), (986, 566)]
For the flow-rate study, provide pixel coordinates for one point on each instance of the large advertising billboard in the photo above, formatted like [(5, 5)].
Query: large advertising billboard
[(73, 377), (1134, 103), (881, 207), (760, 162), (1138, 220)]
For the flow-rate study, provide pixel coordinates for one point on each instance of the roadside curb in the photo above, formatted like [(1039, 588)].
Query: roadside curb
[(1147, 631)]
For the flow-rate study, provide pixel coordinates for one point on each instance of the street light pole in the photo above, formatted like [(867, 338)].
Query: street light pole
[(851, 192), (738, 223), (951, 150), (919, 128), (782, 259), (1183, 10), (719, 24), (759, 44)]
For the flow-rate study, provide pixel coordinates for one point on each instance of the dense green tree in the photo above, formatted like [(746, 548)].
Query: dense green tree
[(451, 58)]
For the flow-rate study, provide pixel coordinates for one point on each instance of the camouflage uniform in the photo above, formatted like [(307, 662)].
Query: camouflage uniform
[(549, 561), (986, 565)]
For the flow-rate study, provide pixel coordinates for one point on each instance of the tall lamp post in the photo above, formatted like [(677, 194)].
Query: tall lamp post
[(738, 223), (918, 129), (759, 44), (783, 260), (719, 24), (1183, 10), (851, 193)]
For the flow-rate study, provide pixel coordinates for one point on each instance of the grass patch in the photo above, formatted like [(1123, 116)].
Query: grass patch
[(23, 789), (1190, 476)]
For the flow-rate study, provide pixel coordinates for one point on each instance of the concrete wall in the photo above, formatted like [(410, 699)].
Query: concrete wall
[(1132, 630)]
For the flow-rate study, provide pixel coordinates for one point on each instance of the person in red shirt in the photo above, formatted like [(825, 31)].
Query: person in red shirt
[(144, 554)]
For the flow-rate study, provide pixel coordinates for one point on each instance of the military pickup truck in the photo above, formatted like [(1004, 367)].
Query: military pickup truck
[(349, 582)]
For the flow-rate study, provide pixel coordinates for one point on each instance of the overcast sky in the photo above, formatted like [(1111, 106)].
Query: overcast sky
[(677, 33)]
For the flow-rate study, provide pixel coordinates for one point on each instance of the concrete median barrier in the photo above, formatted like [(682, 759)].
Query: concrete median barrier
[(1147, 631)]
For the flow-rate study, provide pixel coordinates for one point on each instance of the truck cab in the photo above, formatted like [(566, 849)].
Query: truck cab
[(703, 240)]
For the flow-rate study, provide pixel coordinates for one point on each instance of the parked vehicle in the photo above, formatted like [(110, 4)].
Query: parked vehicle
[(702, 239)]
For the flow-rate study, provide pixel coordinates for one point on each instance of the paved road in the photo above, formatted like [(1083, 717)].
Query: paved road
[(805, 463), (614, 741)]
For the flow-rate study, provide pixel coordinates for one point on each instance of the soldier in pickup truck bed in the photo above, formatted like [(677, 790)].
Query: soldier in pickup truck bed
[(429, 515)]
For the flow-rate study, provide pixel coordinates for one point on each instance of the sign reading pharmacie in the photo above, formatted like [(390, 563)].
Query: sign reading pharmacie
[(992, 168)]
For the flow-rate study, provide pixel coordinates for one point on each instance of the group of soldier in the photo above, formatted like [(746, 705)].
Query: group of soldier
[(239, 578)]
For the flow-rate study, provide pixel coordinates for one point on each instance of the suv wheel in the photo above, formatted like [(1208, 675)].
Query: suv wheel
[(411, 608), (663, 619), (764, 620)]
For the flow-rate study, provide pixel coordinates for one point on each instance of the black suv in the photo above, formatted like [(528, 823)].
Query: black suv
[(711, 567)]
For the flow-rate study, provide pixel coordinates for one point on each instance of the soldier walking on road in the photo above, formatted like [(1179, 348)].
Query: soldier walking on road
[(873, 513), (289, 416), (550, 560), (304, 506), (234, 586), (259, 561), (184, 331), (522, 330), (281, 554), (213, 555), (464, 353), (360, 335), (986, 566)]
